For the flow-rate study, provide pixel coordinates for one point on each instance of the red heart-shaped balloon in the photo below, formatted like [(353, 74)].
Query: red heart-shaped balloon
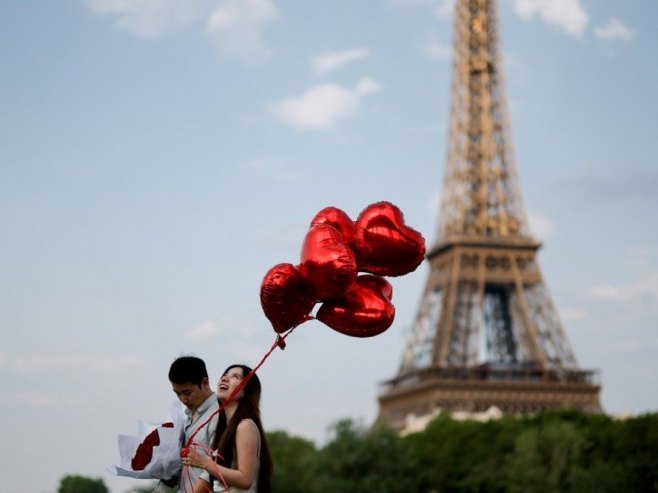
[(333, 216), (364, 311), (285, 300), (384, 244), (328, 264)]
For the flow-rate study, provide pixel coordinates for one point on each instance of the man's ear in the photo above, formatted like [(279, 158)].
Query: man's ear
[(205, 383)]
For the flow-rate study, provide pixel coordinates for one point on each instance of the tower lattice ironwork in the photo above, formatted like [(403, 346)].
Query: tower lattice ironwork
[(487, 333)]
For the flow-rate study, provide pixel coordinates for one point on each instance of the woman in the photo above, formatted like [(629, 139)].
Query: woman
[(244, 460)]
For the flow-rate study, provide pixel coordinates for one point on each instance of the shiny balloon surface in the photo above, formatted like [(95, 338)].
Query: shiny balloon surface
[(384, 244), (365, 310), (284, 298)]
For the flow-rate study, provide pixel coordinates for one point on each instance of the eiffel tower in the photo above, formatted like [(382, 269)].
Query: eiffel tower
[(486, 333)]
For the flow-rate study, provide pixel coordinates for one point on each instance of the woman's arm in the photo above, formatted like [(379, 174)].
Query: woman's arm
[(246, 444), (201, 486)]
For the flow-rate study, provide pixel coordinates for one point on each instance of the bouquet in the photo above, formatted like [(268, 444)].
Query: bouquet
[(154, 453)]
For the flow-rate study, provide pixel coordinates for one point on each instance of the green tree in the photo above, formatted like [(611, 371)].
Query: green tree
[(636, 452), (81, 484), (462, 456), (602, 477), (358, 460), (544, 458), (561, 451), (294, 463)]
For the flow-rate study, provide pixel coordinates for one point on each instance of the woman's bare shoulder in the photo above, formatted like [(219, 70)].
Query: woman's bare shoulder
[(247, 424)]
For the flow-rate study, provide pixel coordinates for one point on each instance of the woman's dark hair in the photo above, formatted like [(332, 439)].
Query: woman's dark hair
[(248, 408)]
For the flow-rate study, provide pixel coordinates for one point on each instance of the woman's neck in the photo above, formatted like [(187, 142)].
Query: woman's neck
[(230, 409)]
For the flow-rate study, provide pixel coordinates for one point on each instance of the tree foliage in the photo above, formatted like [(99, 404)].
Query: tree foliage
[(81, 484), (295, 460), (562, 451)]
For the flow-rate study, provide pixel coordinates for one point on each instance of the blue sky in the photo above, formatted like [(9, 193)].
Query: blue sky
[(158, 158)]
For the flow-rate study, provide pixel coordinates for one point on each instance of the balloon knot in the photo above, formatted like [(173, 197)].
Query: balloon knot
[(280, 342)]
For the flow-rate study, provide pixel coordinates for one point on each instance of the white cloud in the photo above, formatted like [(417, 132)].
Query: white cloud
[(367, 86), (236, 27), (436, 50), (258, 165), (633, 184), (323, 106), (540, 226), (204, 330), (511, 61), (441, 8), (39, 399), (569, 15), (606, 293), (433, 204), (326, 62), (573, 314), (643, 289), (152, 18), (644, 251), (633, 346), (48, 362), (265, 169), (445, 9), (615, 29), (644, 256), (622, 346), (240, 339)]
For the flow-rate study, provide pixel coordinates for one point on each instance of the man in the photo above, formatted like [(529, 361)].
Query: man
[(189, 381)]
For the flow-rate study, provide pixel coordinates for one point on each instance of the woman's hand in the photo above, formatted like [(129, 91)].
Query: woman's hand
[(194, 459)]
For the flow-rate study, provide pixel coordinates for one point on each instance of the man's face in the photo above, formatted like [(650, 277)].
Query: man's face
[(190, 394)]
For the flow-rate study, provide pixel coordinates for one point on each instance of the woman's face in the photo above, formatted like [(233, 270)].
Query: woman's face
[(229, 381)]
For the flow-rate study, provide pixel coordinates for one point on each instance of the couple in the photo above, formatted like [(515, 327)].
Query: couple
[(235, 433)]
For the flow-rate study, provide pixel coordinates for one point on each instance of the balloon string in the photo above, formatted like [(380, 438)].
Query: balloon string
[(187, 474), (187, 478)]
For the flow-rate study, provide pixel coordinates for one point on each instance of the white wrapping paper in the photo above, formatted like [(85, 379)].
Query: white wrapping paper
[(165, 461)]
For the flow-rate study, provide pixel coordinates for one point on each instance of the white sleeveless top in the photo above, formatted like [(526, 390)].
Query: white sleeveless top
[(217, 483)]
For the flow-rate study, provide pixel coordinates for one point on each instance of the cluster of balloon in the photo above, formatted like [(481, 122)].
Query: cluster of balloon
[(342, 266)]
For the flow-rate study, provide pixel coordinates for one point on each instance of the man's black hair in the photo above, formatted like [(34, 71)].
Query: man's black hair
[(188, 369)]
